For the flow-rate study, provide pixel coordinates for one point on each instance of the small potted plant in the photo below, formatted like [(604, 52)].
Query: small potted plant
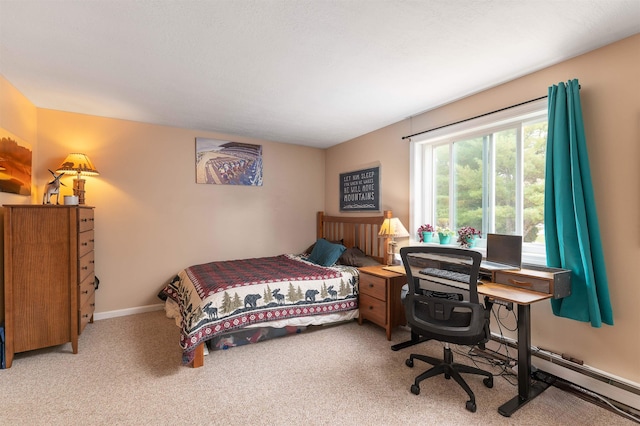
[(444, 234), (425, 233), (467, 236)]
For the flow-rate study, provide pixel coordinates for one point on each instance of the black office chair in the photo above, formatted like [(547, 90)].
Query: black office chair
[(441, 303)]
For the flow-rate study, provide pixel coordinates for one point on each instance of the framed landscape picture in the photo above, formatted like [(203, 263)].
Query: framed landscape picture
[(15, 164), (221, 162)]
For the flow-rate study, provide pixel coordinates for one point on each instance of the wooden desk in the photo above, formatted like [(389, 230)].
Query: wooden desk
[(523, 298)]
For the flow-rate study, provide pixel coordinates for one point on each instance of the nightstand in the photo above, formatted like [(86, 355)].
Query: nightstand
[(379, 298)]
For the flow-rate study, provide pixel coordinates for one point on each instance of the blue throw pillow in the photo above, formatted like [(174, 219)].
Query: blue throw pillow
[(325, 253)]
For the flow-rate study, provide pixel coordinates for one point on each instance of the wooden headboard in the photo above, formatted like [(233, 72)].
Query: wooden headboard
[(360, 232)]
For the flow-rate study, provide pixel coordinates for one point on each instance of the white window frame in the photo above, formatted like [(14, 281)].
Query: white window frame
[(421, 153)]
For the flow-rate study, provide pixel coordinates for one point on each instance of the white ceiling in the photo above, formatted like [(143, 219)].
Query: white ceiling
[(308, 72)]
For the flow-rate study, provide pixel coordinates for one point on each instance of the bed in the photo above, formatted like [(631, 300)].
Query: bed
[(255, 298)]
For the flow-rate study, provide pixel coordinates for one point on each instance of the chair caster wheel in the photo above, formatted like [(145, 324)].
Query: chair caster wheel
[(471, 406), (409, 362), (488, 382), (415, 389)]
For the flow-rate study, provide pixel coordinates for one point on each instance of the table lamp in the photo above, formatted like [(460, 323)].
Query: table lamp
[(392, 228), (79, 163)]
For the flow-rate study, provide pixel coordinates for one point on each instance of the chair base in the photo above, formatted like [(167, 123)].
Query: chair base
[(450, 369), (415, 339)]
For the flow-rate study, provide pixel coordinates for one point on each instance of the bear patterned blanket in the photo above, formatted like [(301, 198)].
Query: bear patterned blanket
[(219, 297)]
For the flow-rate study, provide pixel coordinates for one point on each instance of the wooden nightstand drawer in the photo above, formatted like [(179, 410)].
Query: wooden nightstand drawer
[(373, 286), (373, 309)]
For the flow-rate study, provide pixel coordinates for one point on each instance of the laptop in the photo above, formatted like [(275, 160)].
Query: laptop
[(504, 252)]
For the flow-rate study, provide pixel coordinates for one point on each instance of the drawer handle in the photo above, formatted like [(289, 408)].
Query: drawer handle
[(520, 283), (370, 308), (85, 316), (92, 261), (85, 244), (370, 285), (93, 305), (84, 220), (85, 292), (92, 241), (85, 268)]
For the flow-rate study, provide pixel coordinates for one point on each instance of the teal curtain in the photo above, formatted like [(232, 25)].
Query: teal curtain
[(571, 228)]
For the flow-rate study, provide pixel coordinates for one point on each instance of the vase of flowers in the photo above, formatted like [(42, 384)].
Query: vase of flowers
[(444, 234), (425, 233), (467, 236)]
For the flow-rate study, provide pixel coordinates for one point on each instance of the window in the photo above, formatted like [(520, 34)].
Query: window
[(487, 173)]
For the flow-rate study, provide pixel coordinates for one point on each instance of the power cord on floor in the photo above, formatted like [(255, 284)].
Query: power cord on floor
[(509, 360), (595, 398), (605, 401), (484, 359), (496, 359)]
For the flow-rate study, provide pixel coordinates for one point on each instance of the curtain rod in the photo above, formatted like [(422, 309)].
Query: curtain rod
[(473, 118), (478, 116)]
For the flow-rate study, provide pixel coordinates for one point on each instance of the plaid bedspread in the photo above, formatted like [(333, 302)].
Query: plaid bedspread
[(210, 278), (218, 297)]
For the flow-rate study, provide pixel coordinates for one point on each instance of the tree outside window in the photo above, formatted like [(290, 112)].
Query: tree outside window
[(491, 179)]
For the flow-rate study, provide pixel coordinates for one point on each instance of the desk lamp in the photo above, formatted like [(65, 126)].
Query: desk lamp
[(79, 163), (392, 228)]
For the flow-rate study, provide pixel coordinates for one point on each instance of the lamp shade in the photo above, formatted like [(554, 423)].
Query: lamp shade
[(79, 163), (393, 228)]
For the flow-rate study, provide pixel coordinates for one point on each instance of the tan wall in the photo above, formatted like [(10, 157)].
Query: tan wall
[(152, 219), (18, 116), (610, 97), (17, 113)]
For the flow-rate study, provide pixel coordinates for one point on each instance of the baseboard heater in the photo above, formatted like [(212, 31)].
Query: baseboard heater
[(623, 394)]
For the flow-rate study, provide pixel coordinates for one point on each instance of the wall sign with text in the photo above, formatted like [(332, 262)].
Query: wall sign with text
[(360, 190)]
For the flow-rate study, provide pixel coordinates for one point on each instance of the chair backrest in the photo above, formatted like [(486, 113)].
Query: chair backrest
[(442, 300)]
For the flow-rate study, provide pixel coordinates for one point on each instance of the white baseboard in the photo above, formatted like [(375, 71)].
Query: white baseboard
[(597, 381), (130, 311), (608, 390)]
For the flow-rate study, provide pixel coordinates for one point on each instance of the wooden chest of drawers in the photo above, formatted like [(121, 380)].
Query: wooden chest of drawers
[(49, 285), (379, 298)]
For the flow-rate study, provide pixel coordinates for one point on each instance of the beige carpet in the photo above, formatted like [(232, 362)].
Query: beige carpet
[(128, 372)]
